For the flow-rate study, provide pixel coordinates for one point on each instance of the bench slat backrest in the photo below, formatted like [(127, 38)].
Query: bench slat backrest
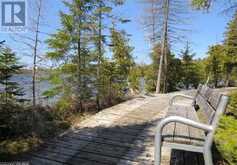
[(197, 93), (208, 100)]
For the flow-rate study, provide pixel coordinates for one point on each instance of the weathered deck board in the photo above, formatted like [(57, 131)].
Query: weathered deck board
[(123, 134)]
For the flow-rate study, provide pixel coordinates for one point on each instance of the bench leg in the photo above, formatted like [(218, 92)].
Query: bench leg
[(208, 157), (158, 149)]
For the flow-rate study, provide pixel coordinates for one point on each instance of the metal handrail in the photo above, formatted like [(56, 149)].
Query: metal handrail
[(179, 95)]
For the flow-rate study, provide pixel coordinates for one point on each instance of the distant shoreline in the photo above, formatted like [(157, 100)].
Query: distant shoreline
[(29, 71)]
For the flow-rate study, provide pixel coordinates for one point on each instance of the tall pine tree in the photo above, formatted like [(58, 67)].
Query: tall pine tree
[(190, 76), (173, 69), (70, 51), (122, 56), (215, 63), (231, 47), (103, 11), (9, 66)]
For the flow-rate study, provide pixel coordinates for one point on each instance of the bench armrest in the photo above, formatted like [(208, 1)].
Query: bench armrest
[(179, 95), (182, 120)]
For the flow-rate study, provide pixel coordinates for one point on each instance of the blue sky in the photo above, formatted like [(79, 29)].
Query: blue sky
[(207, 29)]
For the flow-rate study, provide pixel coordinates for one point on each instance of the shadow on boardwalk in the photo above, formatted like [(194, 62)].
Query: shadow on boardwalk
[(99, 145), (106, 146), (119, 135)]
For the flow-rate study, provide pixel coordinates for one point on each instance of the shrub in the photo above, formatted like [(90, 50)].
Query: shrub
[(226, 135), (226, 139), (17, 146), (232, 109), (17, 121), (23, 128)]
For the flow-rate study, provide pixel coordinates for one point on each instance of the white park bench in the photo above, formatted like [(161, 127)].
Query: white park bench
[(184, 129)]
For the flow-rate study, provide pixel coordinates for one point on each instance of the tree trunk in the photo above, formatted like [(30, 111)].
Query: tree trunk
[(216, 80), (78, 33), (216, 83), (99, 59), (165, 67), (163, 46), (110, 92), (79, 71), (228, 73), (227, 80), (35, 54)]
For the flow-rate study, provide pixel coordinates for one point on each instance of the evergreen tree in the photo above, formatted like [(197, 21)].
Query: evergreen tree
[(9, 66), (173, 69), (70, 51), (151, 71), (108, 79), (231, 48), (78, 50), (137, 72), (175, 73), (190, 76), (122, 57), (103, 10), (215, 63)]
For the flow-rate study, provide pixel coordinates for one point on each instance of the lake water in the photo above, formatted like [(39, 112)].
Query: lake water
[(25, 81)]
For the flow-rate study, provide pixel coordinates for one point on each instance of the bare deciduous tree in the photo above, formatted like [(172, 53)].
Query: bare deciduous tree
[(163, 21), (31, 41), (37, 23)]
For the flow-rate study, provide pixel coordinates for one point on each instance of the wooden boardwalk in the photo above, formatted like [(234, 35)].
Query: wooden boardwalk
[(123, 134)]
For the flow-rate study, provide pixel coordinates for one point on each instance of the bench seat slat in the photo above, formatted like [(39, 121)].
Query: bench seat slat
[(212, 105), (196, 135), (168, 132), (181, 133)]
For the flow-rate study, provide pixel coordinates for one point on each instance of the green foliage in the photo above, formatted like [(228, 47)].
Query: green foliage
[(122, 58), (226, 135), (201, 4), (152, 70), (109, 76), (9, 66), (134, 77), (150, 78), (121, 53), (221, 62), (174, 71), (230, 45), (58, 81), (215, 63), (23, 128), (68, 49), (232, 109), (226, 139), (17, 146), (102, 11), (190, 74), (231, 40), (201, 66), (82, 72), (18, 121)]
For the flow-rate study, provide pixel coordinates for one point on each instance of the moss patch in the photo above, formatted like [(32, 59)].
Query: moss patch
[(12, 147)]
